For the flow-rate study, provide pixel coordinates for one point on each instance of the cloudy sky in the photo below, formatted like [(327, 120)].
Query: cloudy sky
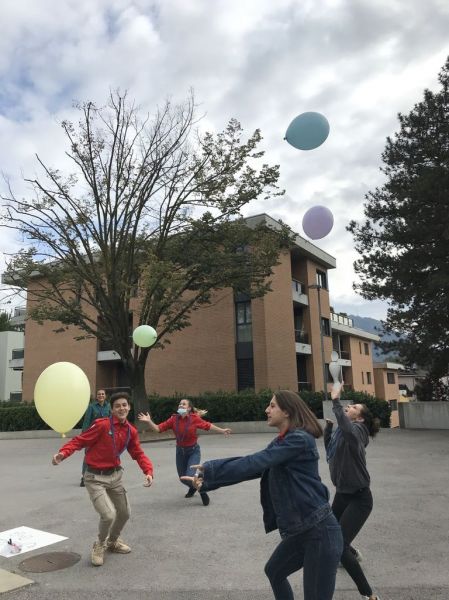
[(262, 61)]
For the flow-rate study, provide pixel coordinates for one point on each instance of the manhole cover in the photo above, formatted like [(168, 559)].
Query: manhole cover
[(50, 561)]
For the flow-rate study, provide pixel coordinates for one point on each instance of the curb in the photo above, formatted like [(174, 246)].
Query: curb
[(145, 436)]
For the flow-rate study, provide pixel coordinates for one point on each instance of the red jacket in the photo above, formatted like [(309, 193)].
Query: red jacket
[(185, 428), (101, 453)]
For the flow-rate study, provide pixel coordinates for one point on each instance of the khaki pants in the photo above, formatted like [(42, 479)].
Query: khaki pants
[(110, 501)]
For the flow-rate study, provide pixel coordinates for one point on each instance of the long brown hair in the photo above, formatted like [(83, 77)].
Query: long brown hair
[(299, 413)]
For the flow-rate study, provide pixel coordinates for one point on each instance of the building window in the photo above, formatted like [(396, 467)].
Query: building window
[(393, 404), (244, 321), (360, 347), (368, 378), (391, 378), (17, 354), (245, 374), (15, 396), (366, 347), (321, 279), (325, 326), (363, 378)]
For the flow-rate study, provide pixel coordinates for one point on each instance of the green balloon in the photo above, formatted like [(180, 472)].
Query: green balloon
[(144, 336)]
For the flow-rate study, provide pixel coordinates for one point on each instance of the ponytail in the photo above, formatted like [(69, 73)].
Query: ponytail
[(372, 423), (199, 411)]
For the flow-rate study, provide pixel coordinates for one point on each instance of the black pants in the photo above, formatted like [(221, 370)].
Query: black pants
[(352, 510)]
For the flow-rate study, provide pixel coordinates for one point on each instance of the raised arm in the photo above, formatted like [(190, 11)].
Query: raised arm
[(146, 418), (344, 422), (328, 432)]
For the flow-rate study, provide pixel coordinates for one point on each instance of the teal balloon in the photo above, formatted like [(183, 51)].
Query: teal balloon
[(307, 131), (144, 336)]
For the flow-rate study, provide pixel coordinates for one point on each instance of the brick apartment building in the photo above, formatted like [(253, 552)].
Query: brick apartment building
[(235, 343)]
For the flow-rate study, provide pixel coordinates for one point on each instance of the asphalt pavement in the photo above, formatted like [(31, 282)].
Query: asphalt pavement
[(183, 550)]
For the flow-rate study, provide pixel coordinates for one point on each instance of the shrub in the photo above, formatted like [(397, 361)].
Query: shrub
[(221, 407), (23, 417)]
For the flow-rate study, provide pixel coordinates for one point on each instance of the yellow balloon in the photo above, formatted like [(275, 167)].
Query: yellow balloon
[(61, 395)]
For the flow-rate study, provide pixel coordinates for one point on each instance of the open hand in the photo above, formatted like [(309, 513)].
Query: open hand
[(144, 417)]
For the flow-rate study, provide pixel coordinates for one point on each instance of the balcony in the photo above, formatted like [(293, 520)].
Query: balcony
[(342, 320), (345, 358), (16, 361), (304, 386), (298, 293), (106, 351), (302, 342), (107, 355), (301, 336)]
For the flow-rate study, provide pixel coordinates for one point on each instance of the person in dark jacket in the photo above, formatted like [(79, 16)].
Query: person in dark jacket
[(294, 500), (353, 501), (98, 409)]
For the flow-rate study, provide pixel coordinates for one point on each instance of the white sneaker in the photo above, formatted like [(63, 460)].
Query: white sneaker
[(356, 553)]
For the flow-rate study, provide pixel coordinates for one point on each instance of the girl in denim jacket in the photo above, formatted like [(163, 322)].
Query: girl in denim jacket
[(294, 500)]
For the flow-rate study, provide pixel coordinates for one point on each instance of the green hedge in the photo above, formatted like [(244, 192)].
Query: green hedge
[(248, 406), (221, 406), (23, 417)]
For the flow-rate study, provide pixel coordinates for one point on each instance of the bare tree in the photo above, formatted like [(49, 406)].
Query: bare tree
[(147, 223)]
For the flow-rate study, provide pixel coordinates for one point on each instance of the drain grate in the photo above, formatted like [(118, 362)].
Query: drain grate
[(50, 561)]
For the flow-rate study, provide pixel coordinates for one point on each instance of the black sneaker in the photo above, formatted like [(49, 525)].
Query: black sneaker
[(82, 482), (205, 498), (190, 492)]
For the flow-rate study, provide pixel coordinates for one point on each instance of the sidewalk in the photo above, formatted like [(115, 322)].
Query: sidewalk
[(182, 550)]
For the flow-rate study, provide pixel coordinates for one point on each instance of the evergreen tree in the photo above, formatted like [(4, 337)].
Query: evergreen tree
[(404, 240)]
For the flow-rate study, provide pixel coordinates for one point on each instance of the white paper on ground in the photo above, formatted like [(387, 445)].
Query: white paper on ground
[(25, 539)]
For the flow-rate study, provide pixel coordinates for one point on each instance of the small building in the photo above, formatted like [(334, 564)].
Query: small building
[(386, 375), (11, 365)]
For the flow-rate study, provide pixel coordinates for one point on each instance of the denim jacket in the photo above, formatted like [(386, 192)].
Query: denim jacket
[(292, 495)]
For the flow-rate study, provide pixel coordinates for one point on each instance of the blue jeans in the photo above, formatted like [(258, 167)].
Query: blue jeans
[(185, 458), (318, 551)]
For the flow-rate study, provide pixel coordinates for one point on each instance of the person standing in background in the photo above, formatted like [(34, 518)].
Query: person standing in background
[(98, 409)]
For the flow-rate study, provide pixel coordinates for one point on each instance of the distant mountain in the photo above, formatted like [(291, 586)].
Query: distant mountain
[(375, 326)]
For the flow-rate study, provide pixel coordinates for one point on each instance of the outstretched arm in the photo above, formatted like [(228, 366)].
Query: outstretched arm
[(224, 431), (146, 418)]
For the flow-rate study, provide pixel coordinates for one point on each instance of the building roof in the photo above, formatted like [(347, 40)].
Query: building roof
[(306, 247), (388, 365)]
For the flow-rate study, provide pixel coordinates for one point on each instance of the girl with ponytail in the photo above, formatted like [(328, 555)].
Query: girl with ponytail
[(353, 501), (184, 424)]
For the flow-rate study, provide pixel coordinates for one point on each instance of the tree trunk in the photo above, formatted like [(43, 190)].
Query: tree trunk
[(139, 393)]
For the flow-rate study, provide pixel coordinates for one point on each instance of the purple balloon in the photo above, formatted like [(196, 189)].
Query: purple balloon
[(317, 222)]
